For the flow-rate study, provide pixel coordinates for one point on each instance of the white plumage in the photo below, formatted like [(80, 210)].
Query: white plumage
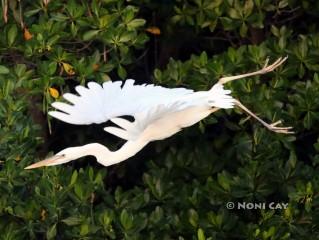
[(158, 113), (146, 103), (98, 104)]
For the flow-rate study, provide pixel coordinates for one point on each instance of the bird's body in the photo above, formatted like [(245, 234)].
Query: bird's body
[(157, 122), (158, 112)]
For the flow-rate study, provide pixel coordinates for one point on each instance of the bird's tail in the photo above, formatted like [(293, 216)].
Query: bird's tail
[(220, 98)]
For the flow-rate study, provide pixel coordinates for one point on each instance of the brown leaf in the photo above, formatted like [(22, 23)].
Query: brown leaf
[(26, 34), (153, 30)]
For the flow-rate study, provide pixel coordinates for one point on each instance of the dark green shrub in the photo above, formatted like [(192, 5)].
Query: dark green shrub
[(178, 188)]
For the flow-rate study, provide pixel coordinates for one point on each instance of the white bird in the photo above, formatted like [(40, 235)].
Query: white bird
[(158, 114)]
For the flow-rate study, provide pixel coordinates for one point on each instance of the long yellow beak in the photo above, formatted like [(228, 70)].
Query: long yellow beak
[(46, 162)]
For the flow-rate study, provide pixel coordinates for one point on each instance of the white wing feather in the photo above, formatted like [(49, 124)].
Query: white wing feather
[(98, 104), (219, 97), (132, 130), (146, 103), (121, 133), (216, 97)]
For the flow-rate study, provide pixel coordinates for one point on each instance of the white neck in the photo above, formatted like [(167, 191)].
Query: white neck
[(106, 157)]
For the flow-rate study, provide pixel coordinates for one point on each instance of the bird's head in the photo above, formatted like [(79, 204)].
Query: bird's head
[(72, 153), (61, 157)]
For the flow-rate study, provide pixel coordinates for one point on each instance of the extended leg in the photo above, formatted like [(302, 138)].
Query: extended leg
[(264, 70), (271, 127)]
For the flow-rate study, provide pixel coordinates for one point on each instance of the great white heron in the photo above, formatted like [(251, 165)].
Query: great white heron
[(158, 113)]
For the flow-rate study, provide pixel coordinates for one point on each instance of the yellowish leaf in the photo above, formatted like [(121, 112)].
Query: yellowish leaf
[(68, 68), (43, 215), (54, 93), (95, 66)]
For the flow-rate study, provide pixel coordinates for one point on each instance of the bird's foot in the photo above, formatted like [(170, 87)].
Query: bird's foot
[(273, 127), (272, 67)]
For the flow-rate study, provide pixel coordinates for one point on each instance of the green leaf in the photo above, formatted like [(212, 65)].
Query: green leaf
[(51, 41), (127, 36), (157, 214), (107, 218), (4, 70), (270, 233), (52, 68), (72, 221), (308, 120), (309, 189), (129, 15), (126, 220), (233, 13), (193, 217), (275, 31), (257, 2), (283, 3), (248, 7), (51, 233), (224, 180), (203, 58), (59, 17), (158, 74), (200, 234), (91, 174), (32, 12), (243, 30), (84, 229), (12, 34), (74, 177), (121, 72), (227, 23), (78, 191), (90, 34), (303, 47), (105, 21), (136, 23)]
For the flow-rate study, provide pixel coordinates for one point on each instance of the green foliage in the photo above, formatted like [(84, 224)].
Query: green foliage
[(178, 188)]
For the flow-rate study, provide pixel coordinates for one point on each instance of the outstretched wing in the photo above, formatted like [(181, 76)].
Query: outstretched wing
[(169, 118), (98, 104), (132, 130)]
